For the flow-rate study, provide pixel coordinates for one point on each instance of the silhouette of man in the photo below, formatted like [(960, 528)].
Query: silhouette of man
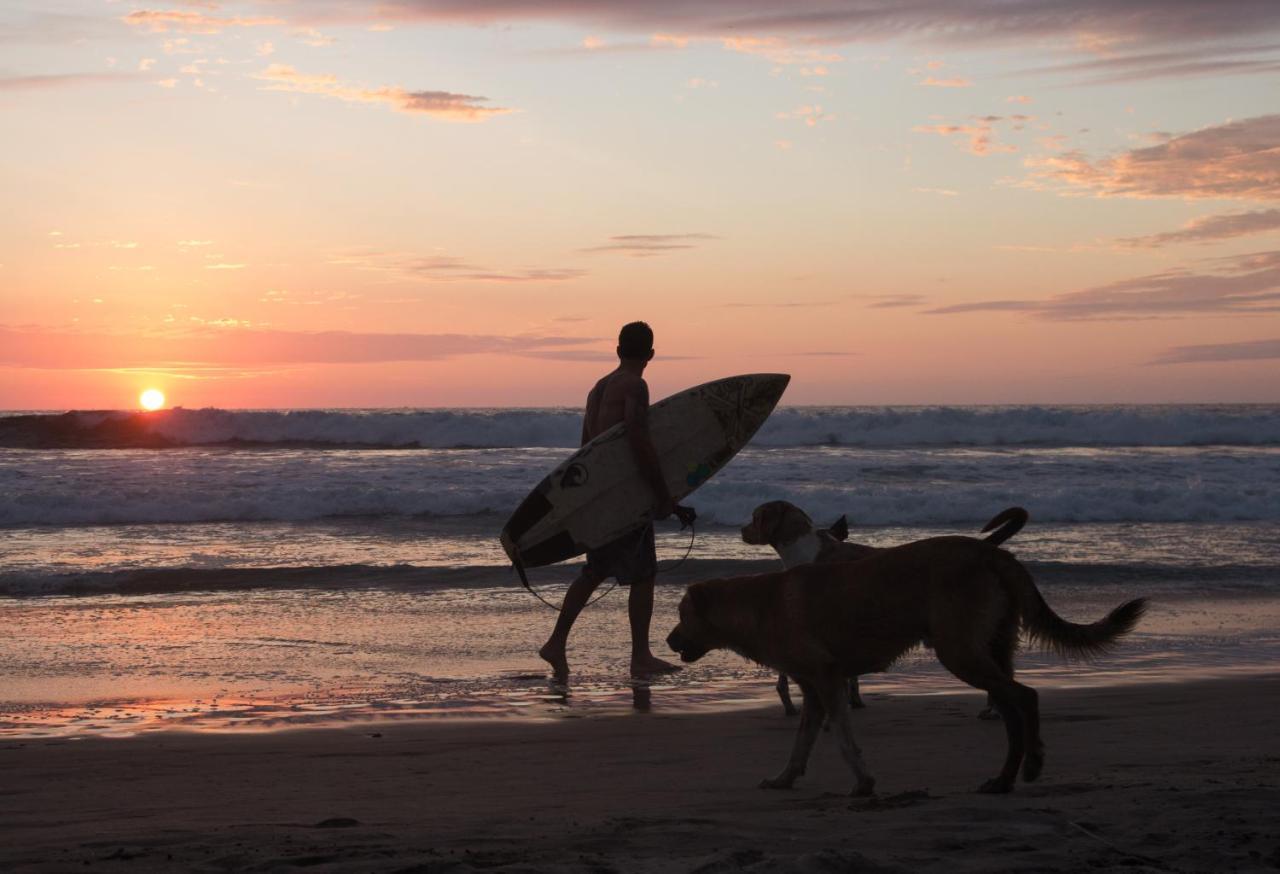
[(622, 396)]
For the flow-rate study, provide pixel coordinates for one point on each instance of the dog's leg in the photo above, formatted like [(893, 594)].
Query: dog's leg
[(981, 671), (1029, 701), (842, 715), (855, 695), (811, 718), (1002, 649), (784, 692)]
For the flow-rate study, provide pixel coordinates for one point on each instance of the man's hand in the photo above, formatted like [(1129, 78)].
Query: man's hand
[(686, 515)]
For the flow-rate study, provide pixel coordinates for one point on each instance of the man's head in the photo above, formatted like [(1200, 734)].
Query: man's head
[(635, 342)]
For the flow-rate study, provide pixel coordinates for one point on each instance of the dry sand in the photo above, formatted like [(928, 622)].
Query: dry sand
[(1177, 777)]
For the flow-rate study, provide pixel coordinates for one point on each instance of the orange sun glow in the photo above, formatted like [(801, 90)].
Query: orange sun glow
[(151, 399)]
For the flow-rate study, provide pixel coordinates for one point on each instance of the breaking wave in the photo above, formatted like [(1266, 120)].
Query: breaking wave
[(1180, 425)]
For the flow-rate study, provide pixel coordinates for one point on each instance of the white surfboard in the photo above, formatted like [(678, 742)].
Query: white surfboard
[(597, 494)]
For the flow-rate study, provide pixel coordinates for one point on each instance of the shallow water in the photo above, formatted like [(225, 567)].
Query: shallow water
[(270, 659)]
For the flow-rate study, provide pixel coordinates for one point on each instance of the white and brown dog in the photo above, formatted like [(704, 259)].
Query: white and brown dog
[(792, 534)]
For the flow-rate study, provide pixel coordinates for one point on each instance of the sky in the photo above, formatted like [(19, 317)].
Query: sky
[(387, 203)]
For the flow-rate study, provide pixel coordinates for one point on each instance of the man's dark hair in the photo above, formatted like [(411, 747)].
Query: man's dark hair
[(635, 340)]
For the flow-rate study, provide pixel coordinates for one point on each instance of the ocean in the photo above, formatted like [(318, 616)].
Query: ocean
[(237, 570)]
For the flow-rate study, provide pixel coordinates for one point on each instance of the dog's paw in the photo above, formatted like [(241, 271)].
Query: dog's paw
[(996, 786), (866, 787), (782, 781), (790, 711), (989, 713)]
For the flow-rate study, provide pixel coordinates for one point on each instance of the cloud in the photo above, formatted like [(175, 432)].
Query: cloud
[(1219, 59), (979, 134), (944, 192), (438, 104), (66, 80), (1243, 285), (781, 305), (237, 347), (1239, 160), (954, 82), (1249, 350), (447, 268), (1104, 23), (648, 245), (894, 301), (781, 51), (811, 115), (161, 21), (312, 37), (1210, 228)]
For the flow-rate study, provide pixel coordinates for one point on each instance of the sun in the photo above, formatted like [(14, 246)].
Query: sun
[(151, 399)]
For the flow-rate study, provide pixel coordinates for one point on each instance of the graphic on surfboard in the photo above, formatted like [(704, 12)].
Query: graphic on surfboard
[(597, 495)]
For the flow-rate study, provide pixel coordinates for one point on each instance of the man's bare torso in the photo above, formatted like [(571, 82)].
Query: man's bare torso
[(610, 401)]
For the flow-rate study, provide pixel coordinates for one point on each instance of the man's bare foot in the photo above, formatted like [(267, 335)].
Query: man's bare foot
[(650, 665), (554, 656)]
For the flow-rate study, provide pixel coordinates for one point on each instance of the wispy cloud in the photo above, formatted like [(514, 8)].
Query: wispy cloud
[(449, 268), (811, 114), (438, 104), (1249, 350), (952, 82), (162, 20), (946, 22), (238, 347), (1238, 160), (978, 134), (1242, 285), (67, 80), (894, 301), (1218, 59), (780, 304), (1210, 228), (648, 245)]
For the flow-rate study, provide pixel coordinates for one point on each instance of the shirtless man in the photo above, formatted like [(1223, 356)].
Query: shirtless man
[(622, 396)]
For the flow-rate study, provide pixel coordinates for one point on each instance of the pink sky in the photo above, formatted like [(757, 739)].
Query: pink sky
[(349, 203)]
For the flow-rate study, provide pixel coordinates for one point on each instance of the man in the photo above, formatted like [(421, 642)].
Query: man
[(622, 396)]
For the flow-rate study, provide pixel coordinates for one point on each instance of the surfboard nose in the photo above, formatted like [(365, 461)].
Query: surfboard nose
[(766, 388)]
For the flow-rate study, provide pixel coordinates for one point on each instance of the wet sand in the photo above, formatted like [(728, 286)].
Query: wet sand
[(1161, 777)]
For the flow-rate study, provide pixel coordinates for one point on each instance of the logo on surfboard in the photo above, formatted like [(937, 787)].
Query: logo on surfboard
[(575, 476)]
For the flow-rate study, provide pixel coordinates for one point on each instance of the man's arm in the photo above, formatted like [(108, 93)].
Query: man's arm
[(636, 413), (593, 401)]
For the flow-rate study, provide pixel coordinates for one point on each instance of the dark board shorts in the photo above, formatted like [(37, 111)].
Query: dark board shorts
[(631, 558)]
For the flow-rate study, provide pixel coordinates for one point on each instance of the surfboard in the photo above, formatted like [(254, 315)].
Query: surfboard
[(597, 494)]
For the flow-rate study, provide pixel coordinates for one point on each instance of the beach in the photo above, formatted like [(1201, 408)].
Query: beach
[(1166, 777), (289, 640)]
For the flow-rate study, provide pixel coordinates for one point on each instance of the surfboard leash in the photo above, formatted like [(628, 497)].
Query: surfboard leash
[(518, 566)]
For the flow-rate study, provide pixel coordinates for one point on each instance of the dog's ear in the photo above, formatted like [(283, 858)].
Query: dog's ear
[(770, 516), (840, 529)]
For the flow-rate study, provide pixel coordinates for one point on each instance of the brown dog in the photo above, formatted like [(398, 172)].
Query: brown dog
[(824, 623), (792, 534)]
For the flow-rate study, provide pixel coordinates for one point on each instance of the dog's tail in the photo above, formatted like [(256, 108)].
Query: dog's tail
[(1004, 525), (1047, 628)]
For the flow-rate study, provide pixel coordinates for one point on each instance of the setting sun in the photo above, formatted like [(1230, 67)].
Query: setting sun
[(151, 399)]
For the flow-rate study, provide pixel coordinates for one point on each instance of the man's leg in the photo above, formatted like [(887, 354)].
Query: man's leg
[(574, 600), (640, 611)]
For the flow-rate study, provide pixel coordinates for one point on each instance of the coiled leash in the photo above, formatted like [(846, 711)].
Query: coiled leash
[(693, 534)]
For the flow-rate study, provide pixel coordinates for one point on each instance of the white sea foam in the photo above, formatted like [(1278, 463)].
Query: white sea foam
[(873, 486)]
